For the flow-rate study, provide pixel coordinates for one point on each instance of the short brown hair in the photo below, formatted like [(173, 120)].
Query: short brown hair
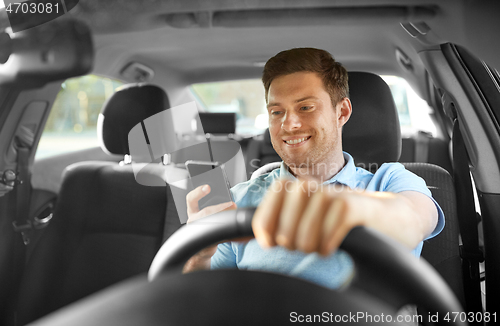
[(333, 74)]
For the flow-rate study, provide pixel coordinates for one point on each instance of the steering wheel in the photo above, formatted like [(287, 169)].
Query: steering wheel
[(383, 268), (386, 278)]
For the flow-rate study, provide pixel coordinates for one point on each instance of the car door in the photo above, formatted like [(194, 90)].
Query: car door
[(29, 82), (469, 90)]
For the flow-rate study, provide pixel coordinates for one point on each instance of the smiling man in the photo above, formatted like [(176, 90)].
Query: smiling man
[(305, 124), (308, 205)]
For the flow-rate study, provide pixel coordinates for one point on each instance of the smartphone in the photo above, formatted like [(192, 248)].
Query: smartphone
[(214, 175)]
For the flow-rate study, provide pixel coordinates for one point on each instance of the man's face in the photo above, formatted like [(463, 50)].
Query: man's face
[(305, 128)]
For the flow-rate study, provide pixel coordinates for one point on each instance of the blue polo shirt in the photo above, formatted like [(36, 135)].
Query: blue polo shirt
[(334, 270)]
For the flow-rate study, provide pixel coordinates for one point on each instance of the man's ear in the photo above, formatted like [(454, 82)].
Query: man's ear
[(344, 110)]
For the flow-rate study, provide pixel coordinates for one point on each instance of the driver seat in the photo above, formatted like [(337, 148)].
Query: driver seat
[(106, 226), (372, 136)]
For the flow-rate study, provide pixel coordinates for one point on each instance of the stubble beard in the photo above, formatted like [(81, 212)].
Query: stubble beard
[(317, 161)]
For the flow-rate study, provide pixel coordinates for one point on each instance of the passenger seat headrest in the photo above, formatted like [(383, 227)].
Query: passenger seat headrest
[(372, 135), (217, 123), (130, 105)]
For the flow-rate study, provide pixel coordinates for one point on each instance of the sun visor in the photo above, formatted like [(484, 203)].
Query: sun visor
[(53, 51)]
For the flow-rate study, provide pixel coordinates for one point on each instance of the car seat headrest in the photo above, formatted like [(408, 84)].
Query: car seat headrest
[(130, 105), (217, 123), (372, 135), (267, 148)]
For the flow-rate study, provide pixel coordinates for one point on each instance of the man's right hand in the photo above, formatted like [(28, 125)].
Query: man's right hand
[(201, 260)]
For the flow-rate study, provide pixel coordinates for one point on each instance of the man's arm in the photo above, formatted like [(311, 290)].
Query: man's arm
[(299, 216), (201, 260)]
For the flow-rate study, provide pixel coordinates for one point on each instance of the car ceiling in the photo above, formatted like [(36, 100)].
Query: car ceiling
[(203, 40)]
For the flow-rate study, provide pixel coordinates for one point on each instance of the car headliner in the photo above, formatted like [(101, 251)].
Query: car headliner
[(207, 40), (199, 40)]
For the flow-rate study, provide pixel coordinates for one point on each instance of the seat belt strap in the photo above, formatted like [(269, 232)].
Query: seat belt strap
[(467, 220), (22, 221), (422, 147), (172, 221)]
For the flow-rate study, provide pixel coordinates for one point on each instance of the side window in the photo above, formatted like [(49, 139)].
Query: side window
[(413, 111), (72, 122)]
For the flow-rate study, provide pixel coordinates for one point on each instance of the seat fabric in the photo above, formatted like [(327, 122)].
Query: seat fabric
[(442, 251), (260, 152), (437, 152), (94, 241), (106, 227)]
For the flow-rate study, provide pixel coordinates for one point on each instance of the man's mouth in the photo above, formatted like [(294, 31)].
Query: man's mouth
[(297, 140)]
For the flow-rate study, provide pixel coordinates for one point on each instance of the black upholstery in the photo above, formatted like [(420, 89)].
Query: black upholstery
[(260, 152), (130, 105), (374, 118), (437, 152), (96, 240), (106, 227), (217, 123), (442, 251)]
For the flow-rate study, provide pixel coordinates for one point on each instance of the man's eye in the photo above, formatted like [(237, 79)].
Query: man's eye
[(276, 112), (305, 108)]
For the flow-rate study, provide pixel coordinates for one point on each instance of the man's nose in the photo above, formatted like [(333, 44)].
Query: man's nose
[(291, 121)]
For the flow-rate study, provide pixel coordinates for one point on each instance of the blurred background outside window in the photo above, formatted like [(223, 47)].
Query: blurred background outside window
[(72, 121)]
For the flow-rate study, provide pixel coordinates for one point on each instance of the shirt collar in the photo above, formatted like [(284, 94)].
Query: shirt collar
[(346, 176)]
